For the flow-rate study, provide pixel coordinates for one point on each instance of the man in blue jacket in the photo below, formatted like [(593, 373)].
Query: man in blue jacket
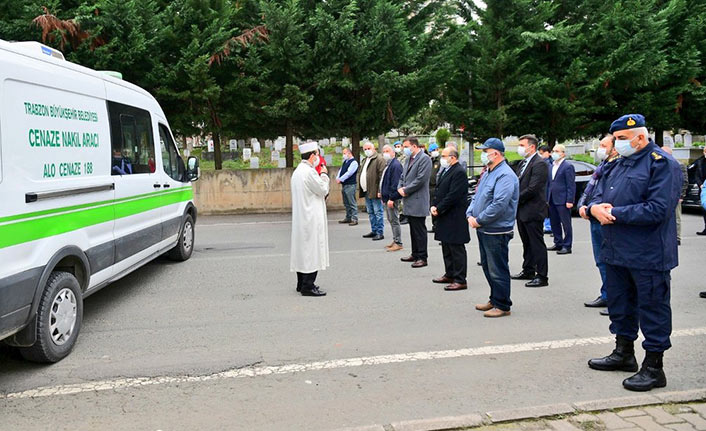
[(636, 205), (390, 198), (492, 213), (562, 190)]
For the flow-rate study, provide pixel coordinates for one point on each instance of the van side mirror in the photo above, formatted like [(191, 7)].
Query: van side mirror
[(193, 172)]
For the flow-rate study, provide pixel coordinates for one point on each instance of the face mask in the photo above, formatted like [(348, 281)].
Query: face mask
[(407, 151), (444, 163), (316, 161), (368, 153), (485, 159), (601, 153), (522, 151), (398, 150), (386, 156), (556, 156), (624, 148), (435, 154)]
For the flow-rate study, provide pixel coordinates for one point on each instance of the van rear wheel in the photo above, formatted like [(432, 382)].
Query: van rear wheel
[(185, 246), (59, 319)]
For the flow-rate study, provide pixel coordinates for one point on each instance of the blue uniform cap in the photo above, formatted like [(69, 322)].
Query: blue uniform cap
[(629, 121), (397, 143), (494, 143), (433, 147)]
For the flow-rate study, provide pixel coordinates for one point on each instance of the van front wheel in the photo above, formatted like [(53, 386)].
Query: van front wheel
[(185, 246), (59, 319)]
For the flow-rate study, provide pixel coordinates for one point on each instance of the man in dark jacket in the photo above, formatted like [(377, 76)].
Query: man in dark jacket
[(389, 196), (414, 189), (531, 212), (562, 190), (700, 168), (369, 188), (449, 207)]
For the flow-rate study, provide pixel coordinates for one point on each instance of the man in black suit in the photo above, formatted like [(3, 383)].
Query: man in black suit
[(531, 212), (449, 207)]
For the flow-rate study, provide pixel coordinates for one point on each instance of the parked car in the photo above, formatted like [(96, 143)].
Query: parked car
[(692, 200)]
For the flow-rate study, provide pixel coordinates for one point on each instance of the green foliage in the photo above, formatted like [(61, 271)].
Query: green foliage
[(442, 135)]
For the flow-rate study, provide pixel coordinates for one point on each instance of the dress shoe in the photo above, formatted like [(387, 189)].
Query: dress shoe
[(621, 359), (390, 244), (538, 281), (597, 303), (403, 220), (395, 247), (484, 307), (479, 264), (702, 294), (443, 280), (651, 374), (313, 292), (432, 230), (419, 263), (604, 312), (524, 275), (456, 286), (554, 248), (564, 250), (344, 221), (496, 312), (702, 233), (378, 237), (353, 223), (369, 235), (409, 258), (299, 288)]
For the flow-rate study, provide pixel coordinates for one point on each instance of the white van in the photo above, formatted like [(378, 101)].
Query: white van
[(91, 188)]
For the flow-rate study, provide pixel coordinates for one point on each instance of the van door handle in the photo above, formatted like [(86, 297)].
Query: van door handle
[(156, 186), (166, 186)]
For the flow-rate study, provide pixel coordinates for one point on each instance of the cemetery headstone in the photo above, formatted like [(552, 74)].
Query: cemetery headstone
[(254, 163), (329, 159), (268, 143), (211, 147), (233, 144), (668, 141), (255, 146), (247, 153), (281, 163), (275, 156), (345, 142), (339, 150), (687, 140)]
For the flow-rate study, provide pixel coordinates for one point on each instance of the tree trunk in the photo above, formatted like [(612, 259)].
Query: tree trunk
[(217, 157), (659, 137), (289, 146), (355, 144), (381, 142)]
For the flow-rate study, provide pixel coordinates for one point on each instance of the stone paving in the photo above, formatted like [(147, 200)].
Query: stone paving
[(666, 417)]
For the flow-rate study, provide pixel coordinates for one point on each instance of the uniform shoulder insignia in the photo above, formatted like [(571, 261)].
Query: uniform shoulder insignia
[(656, 156)]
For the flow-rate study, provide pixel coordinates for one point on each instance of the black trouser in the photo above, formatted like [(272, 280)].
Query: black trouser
[(305, 282), (534, 250), (455, 261), (418, 234), (704, 210)]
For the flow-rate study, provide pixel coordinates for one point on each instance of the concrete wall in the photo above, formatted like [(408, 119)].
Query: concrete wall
[(253, 191)]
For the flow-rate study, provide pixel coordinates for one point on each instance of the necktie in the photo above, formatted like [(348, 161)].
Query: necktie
[(524, 166)]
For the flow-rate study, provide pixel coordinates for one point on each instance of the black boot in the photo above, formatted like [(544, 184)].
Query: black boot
[(622, 358), (651, 374)]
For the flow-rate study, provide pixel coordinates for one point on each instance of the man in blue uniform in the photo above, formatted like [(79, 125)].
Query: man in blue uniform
[(635, 205)]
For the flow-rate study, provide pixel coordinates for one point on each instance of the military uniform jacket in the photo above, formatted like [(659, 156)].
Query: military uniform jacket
[(644, 191)]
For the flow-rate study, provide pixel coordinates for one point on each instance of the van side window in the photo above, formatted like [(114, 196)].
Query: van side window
[(172, 163), (131, 140)]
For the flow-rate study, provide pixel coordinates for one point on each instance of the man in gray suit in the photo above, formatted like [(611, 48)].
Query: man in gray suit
[(414, 190)]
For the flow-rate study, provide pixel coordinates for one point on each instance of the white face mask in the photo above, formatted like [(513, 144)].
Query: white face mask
[(485, 159), (601, 154), (522, 151), (556, 156), (435, 153), (444, 162), (368, 153), (398, 150), (387, 156), (316, 161), (624, 147)]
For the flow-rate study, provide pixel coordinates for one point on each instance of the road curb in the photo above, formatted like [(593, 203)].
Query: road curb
[(476, 420)]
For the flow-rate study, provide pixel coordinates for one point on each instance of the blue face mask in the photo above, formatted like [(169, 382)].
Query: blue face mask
[(407, 151), (623, 147), (556, 156)]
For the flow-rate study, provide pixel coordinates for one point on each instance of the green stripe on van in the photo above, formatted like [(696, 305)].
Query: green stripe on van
[(32, 230), (78, 207)]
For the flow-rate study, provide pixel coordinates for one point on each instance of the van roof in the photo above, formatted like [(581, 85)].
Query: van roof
[(22, 49)]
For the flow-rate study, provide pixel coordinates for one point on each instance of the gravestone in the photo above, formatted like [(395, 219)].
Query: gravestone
[(280, 144), (241, 143), (275, 156), (281, 163), (668, 141), (333, 140), (247, 153), (329, 159), (268, 143), (687, 140), (254, 163), (211, 147), (339, 150), (233, 144), (345, 142), (255, 146)]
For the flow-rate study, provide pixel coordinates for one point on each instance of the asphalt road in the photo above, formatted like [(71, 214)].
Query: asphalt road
[(223, 341)]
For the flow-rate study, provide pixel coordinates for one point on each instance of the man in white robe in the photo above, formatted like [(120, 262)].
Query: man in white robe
[(309, 253)]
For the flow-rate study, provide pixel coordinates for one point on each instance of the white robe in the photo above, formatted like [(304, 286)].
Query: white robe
[(309, 251)]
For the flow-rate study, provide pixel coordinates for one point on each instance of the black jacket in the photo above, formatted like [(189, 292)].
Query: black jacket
[(532, 205), (451, 201)]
